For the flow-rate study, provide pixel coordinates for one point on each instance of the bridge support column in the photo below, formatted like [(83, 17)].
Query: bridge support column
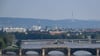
[(69, 52), (20, 52), (43, 52), (0, 52), (97, 52)]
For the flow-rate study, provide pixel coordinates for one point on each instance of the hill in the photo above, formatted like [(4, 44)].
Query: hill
[(29, 22)]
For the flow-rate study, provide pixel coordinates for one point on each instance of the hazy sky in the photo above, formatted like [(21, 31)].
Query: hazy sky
[(51, 9)]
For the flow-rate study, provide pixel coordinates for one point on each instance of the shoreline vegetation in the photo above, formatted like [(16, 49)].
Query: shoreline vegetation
[(7, 39)]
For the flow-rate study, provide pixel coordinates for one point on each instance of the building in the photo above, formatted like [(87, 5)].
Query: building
[(36, 28), (11, 29), (56, 32)]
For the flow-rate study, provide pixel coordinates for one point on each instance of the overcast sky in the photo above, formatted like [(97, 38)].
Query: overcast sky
[(51, 9)]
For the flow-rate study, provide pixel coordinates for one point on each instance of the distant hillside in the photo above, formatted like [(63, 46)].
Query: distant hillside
[(28, 22)]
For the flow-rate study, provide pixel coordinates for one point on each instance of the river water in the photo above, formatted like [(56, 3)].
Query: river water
[(48, 55), (55, 53)]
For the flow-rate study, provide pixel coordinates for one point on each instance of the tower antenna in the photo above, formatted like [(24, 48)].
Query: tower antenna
[(72, 15)]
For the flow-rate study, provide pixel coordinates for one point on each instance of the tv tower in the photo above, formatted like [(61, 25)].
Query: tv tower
[(72, 15)]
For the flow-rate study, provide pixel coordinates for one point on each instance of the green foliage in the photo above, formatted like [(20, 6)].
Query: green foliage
[(6, 39), (9, 38), (2, 43), (97, 36)]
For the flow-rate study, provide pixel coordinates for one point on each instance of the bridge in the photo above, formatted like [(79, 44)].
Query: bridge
[(68, 47)]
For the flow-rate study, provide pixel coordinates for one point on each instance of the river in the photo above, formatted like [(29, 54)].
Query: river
[(48, 55), (55, 53)]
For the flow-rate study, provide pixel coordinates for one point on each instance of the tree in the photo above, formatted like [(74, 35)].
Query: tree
[(9, 38), (2, 43)]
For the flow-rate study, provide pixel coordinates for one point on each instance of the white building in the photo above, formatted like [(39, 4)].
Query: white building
[(36, 27), (10, 29)]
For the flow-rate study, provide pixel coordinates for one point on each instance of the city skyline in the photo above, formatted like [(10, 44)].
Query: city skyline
[(51, 9)]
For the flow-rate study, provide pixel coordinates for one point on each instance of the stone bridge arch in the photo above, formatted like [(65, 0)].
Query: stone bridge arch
[(82, 52), (55, 52), (10, 51), (92, 51), (62, 50), (38, 51)]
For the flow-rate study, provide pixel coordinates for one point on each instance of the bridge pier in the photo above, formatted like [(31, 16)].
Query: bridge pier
[(43, 52), (97, 52), (0, 52), (69, 52), (20, 52)]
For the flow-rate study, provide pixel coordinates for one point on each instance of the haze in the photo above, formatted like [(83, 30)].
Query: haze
[(51, 9)]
